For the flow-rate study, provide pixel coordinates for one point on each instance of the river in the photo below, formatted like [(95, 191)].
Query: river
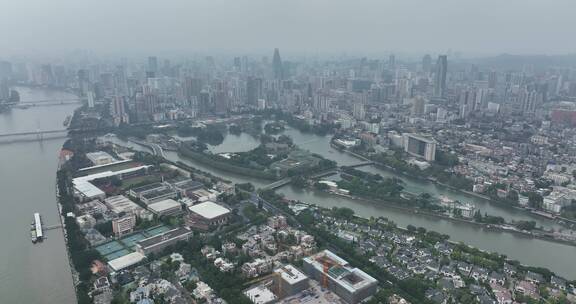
[(555, 256), (31, 273)]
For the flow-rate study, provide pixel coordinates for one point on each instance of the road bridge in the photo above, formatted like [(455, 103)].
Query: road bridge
[(156, 149), (43, 101), (38, 132), (277, 184), (368, 163)]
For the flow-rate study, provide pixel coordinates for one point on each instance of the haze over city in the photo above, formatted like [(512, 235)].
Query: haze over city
[(288, 152), (473, 28)]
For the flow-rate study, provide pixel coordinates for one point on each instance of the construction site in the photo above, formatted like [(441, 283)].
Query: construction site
[(326, 278)]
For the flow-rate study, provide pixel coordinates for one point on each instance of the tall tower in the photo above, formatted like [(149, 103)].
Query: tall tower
[(440, 76), (427, 63), (152, 66), (277, 65)]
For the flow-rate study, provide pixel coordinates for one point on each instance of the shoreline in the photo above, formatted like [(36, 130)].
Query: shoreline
[(488, 227), (452, 188)]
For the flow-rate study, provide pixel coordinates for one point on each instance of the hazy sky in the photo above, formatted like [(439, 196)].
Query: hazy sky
[(414, 26)]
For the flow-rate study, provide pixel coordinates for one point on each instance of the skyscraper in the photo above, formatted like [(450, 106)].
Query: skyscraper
[(153, 66), (427, 63), (277, 65), (253, 90), (440, 76)]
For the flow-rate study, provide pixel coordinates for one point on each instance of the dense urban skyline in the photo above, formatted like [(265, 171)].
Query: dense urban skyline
[(271, 151)]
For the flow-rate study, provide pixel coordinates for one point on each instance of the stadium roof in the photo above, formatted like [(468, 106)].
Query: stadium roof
[(209, 210)]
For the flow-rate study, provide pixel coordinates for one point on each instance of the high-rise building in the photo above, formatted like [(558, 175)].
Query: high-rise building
[(253, 90), (192, 87), (440, 76), (117, 109), (427, 63), (391, 61), (6, 70), (153, 65), (492, 79), (358, 111), (90, 96), (4, 90), (418, 105), (277, 65)]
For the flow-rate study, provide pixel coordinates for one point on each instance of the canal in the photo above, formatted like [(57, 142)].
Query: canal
[(557, 257), (31, 273)]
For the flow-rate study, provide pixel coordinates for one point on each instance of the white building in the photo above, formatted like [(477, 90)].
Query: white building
[(100, 158), (419, 146)]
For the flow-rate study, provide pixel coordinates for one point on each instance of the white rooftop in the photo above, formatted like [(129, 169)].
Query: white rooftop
[(82, 184), (163, 205), (260, 295), (209, 210), (120, 203), (290, 274), (126, 261)]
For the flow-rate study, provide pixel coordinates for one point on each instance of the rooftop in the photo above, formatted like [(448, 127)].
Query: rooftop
[(164, 205), (209, 210), (290, 274), (351, 279), (166, 236), (126, 261), (260, 295), (83, 184), (148, 187)]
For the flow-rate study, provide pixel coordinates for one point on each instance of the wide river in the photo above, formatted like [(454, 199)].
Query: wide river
[(31, 273)]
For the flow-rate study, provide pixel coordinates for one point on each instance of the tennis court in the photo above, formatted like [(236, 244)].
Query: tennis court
[(117, 254), (107, 248), (118, 248), (131, 240)]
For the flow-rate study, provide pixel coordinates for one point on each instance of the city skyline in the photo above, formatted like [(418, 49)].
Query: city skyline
[(275, 151)]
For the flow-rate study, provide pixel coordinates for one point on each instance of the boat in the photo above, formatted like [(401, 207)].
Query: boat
[(36, 232), (33, 236)]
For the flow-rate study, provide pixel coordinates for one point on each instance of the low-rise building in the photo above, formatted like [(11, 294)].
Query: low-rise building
[(156, 243), (126, 261), (124, 225), (261, 295), (120, 204), (351, 284), (207, 214), (100, 158), (166, 207), (289, 281), (153, 193), (86, 221)]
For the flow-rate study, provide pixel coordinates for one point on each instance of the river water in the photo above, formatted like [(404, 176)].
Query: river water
[(31, 273), (557, 257)]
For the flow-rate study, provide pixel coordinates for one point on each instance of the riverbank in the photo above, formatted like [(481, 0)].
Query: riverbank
[(523, 248), (561, 221), (493, 227)]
